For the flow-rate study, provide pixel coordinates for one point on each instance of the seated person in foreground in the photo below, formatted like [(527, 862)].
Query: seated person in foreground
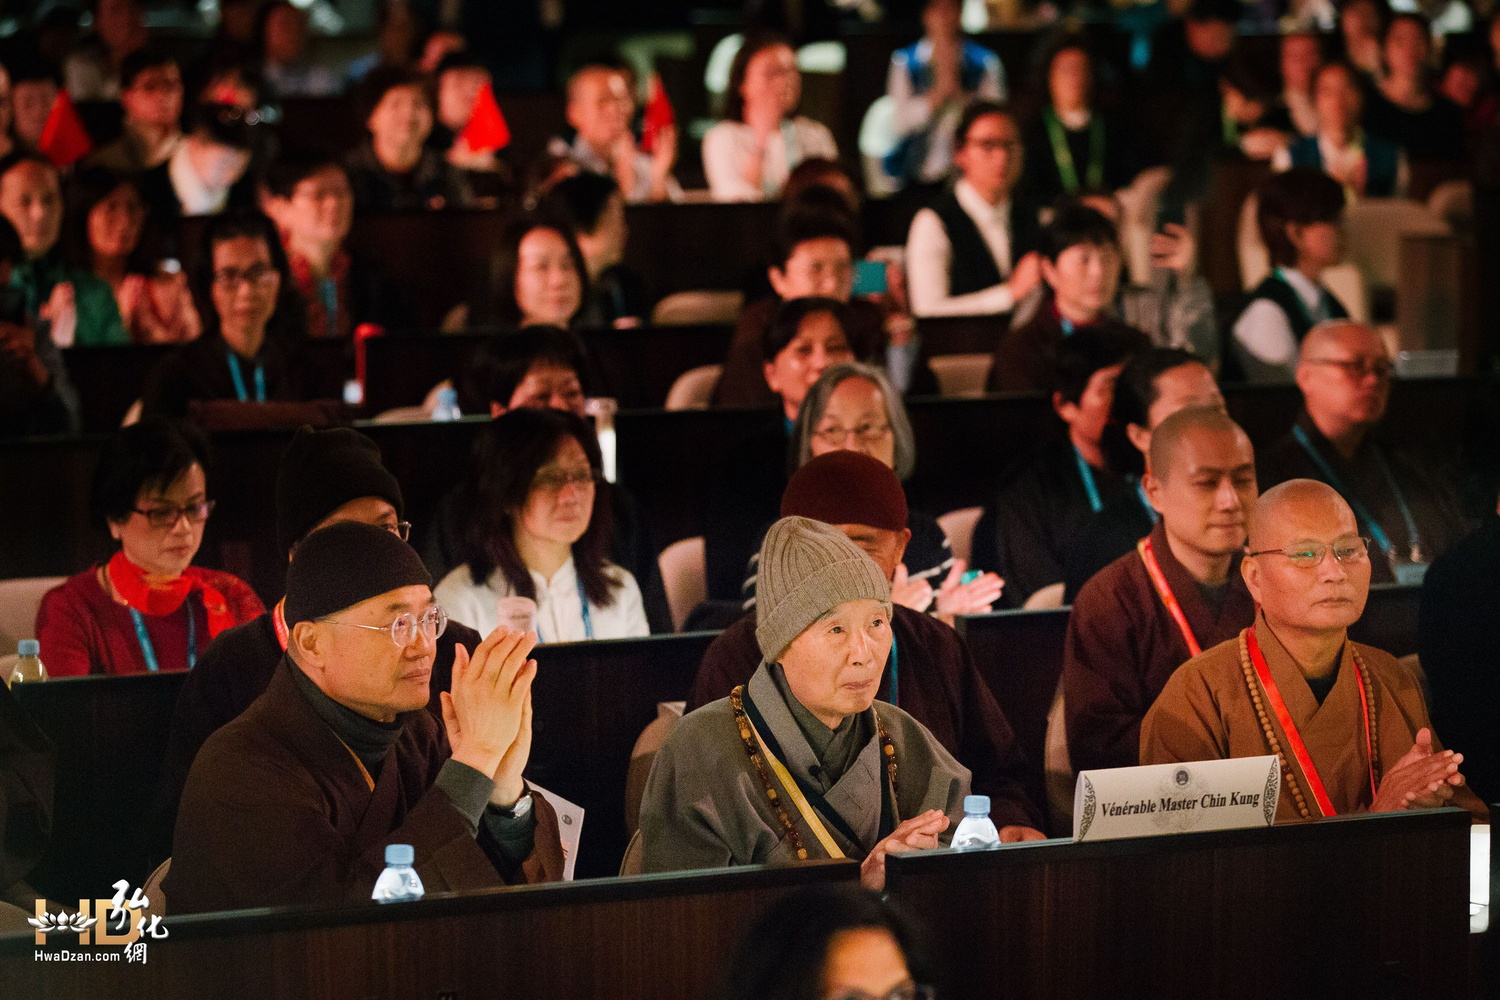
[(736, 782), (1294, 684), (1150, 611), (146, 609), (931, 675), (296, 800)]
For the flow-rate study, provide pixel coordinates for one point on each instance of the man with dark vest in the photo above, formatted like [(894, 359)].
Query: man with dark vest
[(297, 799), (1298, 214), (972, 252), (326, 477), (1178, 593)]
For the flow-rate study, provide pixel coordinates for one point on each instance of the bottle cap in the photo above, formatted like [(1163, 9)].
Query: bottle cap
[(399, 854), (977, 804), (28, 647)]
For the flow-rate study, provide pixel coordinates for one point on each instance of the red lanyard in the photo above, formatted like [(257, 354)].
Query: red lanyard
[(1294, 738), (278, 622), (1164, 591)]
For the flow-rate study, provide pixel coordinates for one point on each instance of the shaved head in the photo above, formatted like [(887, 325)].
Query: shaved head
[(1166, 440), (1335, 333), (1306, 516), (1344, 373)]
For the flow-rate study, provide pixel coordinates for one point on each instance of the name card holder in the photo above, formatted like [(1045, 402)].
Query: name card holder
[(1158, 799)]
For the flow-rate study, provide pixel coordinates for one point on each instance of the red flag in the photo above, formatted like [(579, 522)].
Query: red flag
[(64, 139), (658, 114), (486, 130)]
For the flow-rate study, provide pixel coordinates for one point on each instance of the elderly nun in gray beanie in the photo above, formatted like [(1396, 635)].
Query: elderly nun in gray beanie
[(802, 762)]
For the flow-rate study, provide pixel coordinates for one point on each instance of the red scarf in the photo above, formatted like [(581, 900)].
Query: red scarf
[(317, 313), (129, 583)]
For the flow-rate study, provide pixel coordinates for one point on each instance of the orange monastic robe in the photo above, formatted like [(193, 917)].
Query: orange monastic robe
[(1205, 713)]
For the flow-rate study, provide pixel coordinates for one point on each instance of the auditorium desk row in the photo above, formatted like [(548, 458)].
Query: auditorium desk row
[(591, 699), (1348, 907)]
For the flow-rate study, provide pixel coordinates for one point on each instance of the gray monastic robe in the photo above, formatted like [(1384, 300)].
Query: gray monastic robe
[(706, 807)]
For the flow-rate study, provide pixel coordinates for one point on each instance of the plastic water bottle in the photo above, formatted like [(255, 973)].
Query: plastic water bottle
[(399, 881), (976, 832), (447, 405), (29, 666)]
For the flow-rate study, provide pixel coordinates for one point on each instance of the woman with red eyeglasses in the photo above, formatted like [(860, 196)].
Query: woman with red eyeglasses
[(146, 609)]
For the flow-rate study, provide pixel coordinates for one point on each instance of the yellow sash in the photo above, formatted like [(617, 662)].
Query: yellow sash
[(789, 784)]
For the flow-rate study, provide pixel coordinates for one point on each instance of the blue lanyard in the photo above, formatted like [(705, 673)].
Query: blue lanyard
[(328, 292), (1382, 540), (1067, 326), (239, 380), (149, 652), (588, 617), (1140, 491), (1086, 473), (895, 680)]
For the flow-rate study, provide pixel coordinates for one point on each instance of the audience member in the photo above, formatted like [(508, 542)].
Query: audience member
[(1178, 593), (806, 337), (748, 156), (79, 307), (600, 108), (352, 689), (823, 626), (592, 206), (251, 323), (108, 236), (210, 169), (542, 278), (325, 477), (1297, 213), (462, 82), (1025, 534), (34, 86), (393, 169), (147, 608), (930, 82), (287, 70), (1361, 29), (92, 71), (1403, 108), (151, 96), (307, 195), (538, 529), (972, 252), (398, 37), (1073, 147), (36, 395), (1296, 113), (1152, 386), (1344, 374), (828, 942), (937, 681), (1366, 165), (1080, 263), (1297, 656)]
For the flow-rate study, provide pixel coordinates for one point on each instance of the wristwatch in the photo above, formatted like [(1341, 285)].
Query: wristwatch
[(522, 807)]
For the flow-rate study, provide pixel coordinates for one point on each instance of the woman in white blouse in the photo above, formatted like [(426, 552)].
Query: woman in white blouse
[(748, 156), (539, 529)]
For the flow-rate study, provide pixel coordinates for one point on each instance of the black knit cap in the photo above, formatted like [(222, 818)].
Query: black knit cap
[(323, 470), (346, 563)]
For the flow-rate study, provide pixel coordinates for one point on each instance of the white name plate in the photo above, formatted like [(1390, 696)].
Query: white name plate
[(1160, 799)]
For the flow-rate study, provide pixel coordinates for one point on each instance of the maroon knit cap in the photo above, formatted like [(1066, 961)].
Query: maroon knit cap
[(846, 487)]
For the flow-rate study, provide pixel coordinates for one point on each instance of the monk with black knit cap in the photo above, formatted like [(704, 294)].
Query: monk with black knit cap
[(296, 800), (326, 477)]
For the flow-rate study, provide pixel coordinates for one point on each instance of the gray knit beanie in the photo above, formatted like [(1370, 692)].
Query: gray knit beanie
[(808, 568)]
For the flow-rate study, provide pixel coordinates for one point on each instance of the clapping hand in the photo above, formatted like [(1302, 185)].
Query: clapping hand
[(488, 710), (1422, 779), (976, 597), (920, 833)]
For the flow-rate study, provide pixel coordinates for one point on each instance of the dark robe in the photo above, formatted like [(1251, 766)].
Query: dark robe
[(199, 371), (1439, 520), (1435, 133), (1205, 713), (235, 670), (1105, 537), (937, 684), (277, 811), (433, 183), (1458, 634), (1123, 645), (1025, 359), (1025, 534), (26, 780)]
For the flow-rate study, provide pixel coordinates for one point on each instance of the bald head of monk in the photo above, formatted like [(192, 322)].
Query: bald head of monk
[(1344, 373), (600, 105), (1308, 568), (1202, 482)]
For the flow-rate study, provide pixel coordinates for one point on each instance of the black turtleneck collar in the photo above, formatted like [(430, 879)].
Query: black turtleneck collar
[(370, 740)]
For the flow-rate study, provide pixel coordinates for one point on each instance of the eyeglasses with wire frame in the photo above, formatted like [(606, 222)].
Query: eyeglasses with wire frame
[(403, 629), (1306, 555)]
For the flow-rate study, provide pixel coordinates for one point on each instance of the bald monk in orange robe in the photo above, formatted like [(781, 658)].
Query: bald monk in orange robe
[(1348, 721)]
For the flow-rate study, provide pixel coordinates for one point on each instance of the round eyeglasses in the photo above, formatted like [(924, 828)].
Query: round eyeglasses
[(403, 630), (1306, 555)]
